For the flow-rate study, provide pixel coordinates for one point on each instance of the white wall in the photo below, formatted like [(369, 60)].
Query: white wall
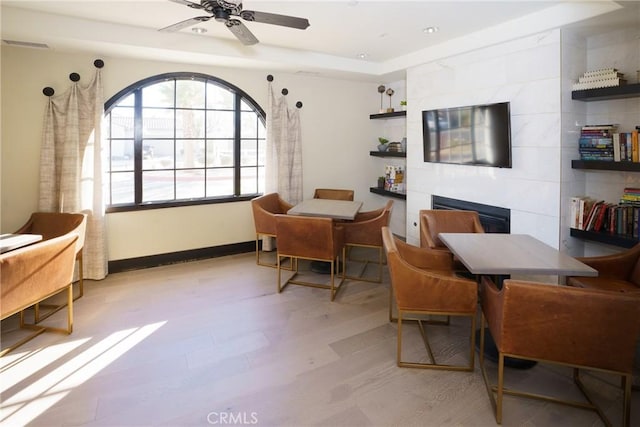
[(525, 72), (337, 136)]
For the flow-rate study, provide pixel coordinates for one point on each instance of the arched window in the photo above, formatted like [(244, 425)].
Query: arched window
[(181, 139)]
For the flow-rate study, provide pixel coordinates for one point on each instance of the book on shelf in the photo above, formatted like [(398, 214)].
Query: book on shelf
[(604, 142), (606, 77)]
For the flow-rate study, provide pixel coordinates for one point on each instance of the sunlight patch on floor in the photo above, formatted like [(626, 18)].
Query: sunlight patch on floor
[(36, 398)]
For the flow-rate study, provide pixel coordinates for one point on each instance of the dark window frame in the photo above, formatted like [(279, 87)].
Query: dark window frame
[(136, 89)]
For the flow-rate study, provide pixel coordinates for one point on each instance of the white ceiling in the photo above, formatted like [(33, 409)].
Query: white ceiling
[(390, 33)]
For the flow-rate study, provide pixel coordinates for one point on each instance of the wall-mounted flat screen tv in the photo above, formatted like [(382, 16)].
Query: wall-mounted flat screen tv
[(473, 135)]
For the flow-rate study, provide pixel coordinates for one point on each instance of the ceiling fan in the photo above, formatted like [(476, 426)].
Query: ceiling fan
[(225, 10)]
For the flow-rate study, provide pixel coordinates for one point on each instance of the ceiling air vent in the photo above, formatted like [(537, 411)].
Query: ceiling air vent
[(25, 44)]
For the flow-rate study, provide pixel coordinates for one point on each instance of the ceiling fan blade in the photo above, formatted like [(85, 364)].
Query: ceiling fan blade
[(184, 24), (189, 3), (239, 30), (275, 19)]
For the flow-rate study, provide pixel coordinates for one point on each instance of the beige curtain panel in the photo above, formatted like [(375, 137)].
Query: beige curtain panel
[(71, 176)]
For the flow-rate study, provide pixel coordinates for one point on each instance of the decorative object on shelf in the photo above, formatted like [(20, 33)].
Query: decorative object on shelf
[(383, 144), (381, 180), (606, 77), (394, 178), (395, 147), (403, 105), (390, 92), (381, 90), (404, 144)]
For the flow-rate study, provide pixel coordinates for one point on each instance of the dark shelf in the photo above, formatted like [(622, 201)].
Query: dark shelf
[(615, 92), (382, 192), (605, 165), (603, 237), (387, 154), (388, 115)]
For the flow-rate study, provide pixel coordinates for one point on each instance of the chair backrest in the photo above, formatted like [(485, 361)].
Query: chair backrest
[(56, 224), (563, 324), (309, 237), (435, 221), (368, 231), (333, 193), (421, 288), (264, 210), (34, 272)]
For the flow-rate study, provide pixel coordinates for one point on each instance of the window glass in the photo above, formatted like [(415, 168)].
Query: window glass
[(180, 139)]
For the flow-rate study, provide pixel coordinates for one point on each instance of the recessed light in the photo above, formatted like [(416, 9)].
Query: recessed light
[(199, 30), (362, 56), (430, 30)]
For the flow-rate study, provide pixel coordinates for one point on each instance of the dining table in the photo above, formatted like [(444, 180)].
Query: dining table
[(9, 242), (499, 255), (327, 208)]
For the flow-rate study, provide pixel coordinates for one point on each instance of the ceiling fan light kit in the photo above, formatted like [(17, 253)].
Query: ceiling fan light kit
[(224, 11)]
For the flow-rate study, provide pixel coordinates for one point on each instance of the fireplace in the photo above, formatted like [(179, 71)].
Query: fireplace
[(494, 219)]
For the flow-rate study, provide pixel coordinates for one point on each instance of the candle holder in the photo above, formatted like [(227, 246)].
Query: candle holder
[(390, 92), (381, 90)]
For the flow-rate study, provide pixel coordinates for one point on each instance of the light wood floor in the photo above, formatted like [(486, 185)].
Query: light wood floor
[(212, 342)]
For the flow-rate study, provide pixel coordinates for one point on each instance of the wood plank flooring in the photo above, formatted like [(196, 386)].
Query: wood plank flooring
[(212, 343)]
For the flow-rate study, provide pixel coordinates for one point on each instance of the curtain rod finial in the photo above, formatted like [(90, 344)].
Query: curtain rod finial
[(48, 91), (299, 104), (285, 91), (98, 63), (270, 78), (74, 77)]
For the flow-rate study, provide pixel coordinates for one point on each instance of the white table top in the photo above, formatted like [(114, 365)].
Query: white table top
[(496, 253), (9, 242), (328, 208)]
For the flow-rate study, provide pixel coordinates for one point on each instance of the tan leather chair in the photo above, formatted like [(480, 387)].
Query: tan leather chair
[(55, 224), (310, 238), (618, 272), (581, 328), (436, 221), (34, 273), (334, 194), (424, 284), (365, 232), (265, 208)]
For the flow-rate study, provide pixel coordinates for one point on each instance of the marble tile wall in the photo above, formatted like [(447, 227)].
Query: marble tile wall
[(527, 73)]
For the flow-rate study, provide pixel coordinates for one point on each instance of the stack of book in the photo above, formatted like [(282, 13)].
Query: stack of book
[(596, 142), (606, 77), (597, 215)]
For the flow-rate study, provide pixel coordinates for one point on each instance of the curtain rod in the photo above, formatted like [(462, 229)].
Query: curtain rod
[(284, 91), (74, 77)]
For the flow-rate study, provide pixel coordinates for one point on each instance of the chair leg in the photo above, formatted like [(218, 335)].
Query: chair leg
[(38, 329), (500, 393), (434, 365), (80, 260), (366, 262)]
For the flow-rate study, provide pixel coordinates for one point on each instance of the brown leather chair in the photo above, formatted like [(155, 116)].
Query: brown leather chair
[(618, 272), (265, 208), (582, 328), (334, 194), (55, 224), (310, 238), (365, 231), (424, 284), (34, 273), (436, 221)]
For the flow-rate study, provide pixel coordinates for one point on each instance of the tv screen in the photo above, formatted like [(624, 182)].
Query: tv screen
[(473, 135)]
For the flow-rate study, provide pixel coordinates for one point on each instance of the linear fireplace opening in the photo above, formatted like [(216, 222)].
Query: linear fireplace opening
[(494, 219)]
